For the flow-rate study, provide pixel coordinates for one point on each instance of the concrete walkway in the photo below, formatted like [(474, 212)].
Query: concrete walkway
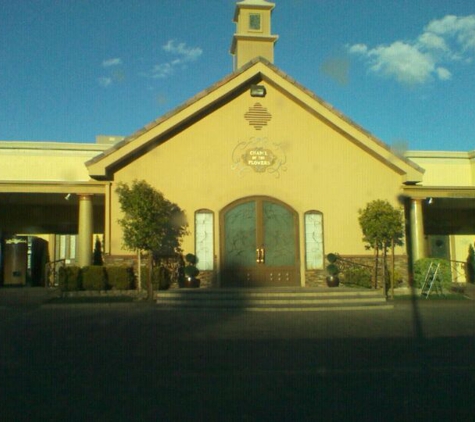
[(26, 296), (36, 296), (470, 291)]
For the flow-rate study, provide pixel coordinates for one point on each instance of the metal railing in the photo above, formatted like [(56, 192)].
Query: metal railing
[(52, 272), (458, 270)]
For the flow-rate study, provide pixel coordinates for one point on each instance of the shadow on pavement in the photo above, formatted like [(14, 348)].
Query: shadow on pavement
[(139, 364)]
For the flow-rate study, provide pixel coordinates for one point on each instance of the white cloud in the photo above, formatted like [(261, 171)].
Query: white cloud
[(431, 41), (187, 54), (460, 28), (426, 58), (184, 55), (104, 81), (401, 61), (443, 73), (112, 62), (162, 70), (358, 49)]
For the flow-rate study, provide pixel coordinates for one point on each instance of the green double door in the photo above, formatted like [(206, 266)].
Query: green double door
[(259, 244)]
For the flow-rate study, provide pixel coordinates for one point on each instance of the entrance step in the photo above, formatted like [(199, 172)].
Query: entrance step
[(293, 299)]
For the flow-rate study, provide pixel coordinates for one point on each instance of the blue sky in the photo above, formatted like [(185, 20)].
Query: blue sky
[(73, 69)]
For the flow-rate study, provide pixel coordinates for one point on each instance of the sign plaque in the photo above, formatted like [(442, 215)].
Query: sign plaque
[(259, 159)]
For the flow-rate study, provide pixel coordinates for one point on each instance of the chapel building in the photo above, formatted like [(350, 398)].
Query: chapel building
[(271, 178)]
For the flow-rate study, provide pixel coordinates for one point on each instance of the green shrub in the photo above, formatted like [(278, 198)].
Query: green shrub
[(191, 271), (97, 253), (93, 278), (398, 278), (422, 265), (470, 265), (161, 278), (69, 278), (164, 278), (332, 269), (120, 278), (359, 276)]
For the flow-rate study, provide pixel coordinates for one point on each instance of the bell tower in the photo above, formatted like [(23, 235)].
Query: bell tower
[(253, 36)]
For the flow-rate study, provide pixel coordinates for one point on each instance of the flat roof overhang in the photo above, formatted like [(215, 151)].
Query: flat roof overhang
[(48, 207), (423, 192), (85, 188), (446, 210)]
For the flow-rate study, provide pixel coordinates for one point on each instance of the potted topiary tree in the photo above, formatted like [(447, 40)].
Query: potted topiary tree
[(191, 272), (332, 269)]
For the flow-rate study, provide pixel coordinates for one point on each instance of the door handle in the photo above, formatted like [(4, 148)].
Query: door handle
[(260, 255)]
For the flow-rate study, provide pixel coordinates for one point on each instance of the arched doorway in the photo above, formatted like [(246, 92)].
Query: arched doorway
[(259, 244)]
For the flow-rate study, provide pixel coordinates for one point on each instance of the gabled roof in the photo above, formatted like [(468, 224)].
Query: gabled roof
[(257, 70)]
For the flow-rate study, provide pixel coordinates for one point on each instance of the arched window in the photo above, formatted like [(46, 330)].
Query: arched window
[(204, 239), (314, 258)]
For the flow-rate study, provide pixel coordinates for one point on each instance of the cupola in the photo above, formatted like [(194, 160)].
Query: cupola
[(253, 36)]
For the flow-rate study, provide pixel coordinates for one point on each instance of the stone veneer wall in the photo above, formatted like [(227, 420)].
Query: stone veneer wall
[(208, 278), (313, 278), (120, 260)]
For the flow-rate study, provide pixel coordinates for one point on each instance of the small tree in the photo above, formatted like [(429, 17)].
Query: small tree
[(97, 254), (470, 265), (150, 222), (382, 227)]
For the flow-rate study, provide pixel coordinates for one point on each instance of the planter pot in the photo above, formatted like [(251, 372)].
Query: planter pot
[(333, 281), (192, 283)]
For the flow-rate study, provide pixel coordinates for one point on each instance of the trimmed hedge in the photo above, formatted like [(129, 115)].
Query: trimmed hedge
[(120, 278), (69, 278), (161, 278), (358, 276), (94, 278)]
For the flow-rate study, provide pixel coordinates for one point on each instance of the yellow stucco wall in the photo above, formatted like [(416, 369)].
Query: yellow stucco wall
[(242, 24), (33, 161), (472, 167), (444, 168), (459, 252), (321, 170), (246, 50)]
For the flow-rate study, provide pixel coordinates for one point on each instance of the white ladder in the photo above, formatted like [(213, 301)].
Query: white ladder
[(432, 281)]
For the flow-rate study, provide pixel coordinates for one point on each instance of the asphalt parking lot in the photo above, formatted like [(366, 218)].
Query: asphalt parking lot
[(133, 361)]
